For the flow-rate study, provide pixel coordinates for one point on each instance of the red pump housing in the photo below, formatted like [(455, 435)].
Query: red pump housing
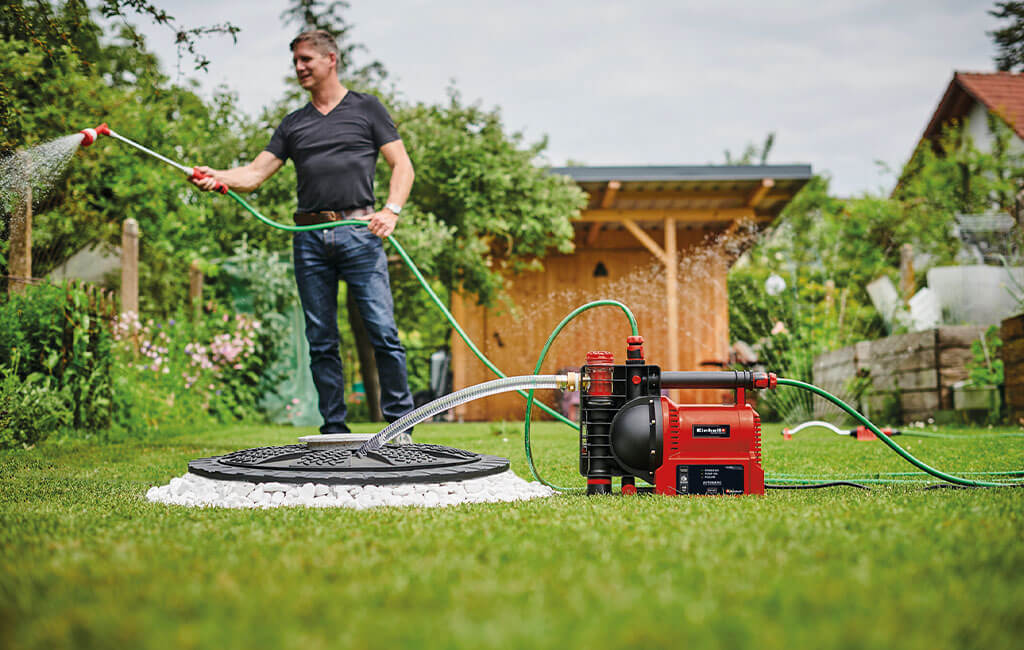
[(710, 449)]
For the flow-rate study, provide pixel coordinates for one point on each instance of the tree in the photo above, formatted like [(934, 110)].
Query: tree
[(1009, 39), (752, 154)]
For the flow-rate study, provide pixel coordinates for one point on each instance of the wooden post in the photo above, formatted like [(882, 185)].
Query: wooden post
[(907, 284), (460, 353), (672, 292), (195, 287), (130, 266), (19, 264)]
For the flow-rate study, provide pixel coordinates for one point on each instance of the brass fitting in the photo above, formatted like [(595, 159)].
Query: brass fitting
[(569, 381)]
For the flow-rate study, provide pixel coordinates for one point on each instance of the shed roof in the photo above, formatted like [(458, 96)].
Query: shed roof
[(711, 192), (1001, 93), (685, 173)]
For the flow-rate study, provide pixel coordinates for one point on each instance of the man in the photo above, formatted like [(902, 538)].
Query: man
[(333, 141)]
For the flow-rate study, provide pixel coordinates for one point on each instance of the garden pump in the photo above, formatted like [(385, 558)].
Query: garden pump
[(90, 135), (629, 429)]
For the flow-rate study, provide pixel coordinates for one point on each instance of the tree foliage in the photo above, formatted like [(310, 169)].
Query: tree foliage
[(1009, 38)]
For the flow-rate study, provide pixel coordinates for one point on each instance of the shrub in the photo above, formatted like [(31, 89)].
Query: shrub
[(61, 334), (30, 409)]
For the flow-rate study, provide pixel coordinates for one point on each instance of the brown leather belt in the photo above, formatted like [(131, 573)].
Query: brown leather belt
[(313, 218)]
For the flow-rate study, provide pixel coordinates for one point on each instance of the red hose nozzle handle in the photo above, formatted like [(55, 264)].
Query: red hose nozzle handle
[(89, 135), (198, 176)]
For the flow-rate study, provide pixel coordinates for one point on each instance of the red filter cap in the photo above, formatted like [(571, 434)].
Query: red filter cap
[(600, 358)]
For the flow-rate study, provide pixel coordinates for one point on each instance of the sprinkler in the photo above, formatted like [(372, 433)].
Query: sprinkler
[(859, 433)]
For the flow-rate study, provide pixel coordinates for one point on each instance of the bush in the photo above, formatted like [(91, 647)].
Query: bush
[(61, 334), (30, 409)]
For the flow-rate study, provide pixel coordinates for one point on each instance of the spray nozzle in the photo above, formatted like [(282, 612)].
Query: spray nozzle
[(89, 135)]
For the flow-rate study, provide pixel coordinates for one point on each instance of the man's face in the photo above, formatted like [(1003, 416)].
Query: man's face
[(312, 67)]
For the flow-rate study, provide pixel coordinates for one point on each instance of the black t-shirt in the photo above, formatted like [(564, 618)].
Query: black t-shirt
[(335, 154)]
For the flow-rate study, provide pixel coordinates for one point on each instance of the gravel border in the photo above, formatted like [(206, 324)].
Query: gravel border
[(198, 491)]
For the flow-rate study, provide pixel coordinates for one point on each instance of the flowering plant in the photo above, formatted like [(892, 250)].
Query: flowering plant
[(183, 370)]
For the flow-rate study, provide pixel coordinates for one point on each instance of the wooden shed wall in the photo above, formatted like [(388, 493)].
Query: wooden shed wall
[(513, 339)]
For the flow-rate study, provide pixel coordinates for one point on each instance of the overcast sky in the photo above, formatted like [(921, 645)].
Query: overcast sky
[(842, 83)]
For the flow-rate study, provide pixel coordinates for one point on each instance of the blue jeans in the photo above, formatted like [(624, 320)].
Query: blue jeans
[(355, 255)]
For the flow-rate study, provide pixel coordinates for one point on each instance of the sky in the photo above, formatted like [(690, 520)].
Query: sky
[(843, 84)]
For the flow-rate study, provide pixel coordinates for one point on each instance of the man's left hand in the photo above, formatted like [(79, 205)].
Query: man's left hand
[(383, 223)]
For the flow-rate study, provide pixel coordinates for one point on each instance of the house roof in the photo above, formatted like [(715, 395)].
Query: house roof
[(1001, 93), (761, 189)]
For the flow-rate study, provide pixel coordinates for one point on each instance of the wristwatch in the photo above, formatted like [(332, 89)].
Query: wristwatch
[(394, 207)]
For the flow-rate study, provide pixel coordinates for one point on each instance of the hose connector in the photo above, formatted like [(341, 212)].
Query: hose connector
[(89, 135), (570, 381)]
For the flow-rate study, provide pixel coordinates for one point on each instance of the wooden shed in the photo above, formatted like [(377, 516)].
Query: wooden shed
[(658, 239)]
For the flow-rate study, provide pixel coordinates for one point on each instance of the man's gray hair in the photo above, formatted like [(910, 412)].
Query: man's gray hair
[(320, 39)]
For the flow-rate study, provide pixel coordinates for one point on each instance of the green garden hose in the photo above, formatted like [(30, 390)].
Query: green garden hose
[(540, 362), (949, 478)]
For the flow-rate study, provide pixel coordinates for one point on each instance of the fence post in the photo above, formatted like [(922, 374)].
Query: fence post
[(907, 284), (195, 287), (19, 264), (130, 266)]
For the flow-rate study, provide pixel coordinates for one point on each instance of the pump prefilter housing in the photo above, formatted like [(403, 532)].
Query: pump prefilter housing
[(629, 429)]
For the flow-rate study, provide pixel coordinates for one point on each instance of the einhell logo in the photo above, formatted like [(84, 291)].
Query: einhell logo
[(711, 431)]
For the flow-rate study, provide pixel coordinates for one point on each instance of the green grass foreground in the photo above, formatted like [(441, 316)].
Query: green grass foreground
[(86, 562)]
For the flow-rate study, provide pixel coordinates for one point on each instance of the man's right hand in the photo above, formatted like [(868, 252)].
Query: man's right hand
[(208, 182)]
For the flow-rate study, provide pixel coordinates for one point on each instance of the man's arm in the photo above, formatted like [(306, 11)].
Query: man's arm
[(245, 178), (383, 223)]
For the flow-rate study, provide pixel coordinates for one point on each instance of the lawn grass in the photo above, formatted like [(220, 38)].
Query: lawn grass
[(86, 562)]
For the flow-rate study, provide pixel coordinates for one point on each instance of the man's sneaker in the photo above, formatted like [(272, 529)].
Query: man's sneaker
[(402, 439)]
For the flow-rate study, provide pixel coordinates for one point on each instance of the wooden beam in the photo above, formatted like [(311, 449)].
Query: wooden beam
[(646, 240), (739, 196), (672, 292), (608, 197), (460, 353), (595, 229), (681, 216), (758, 195)]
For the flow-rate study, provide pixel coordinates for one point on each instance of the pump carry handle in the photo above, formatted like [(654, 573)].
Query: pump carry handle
[(198, 176), (717, 379)]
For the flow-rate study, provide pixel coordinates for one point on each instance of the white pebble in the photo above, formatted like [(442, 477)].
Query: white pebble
[(199, 491)]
